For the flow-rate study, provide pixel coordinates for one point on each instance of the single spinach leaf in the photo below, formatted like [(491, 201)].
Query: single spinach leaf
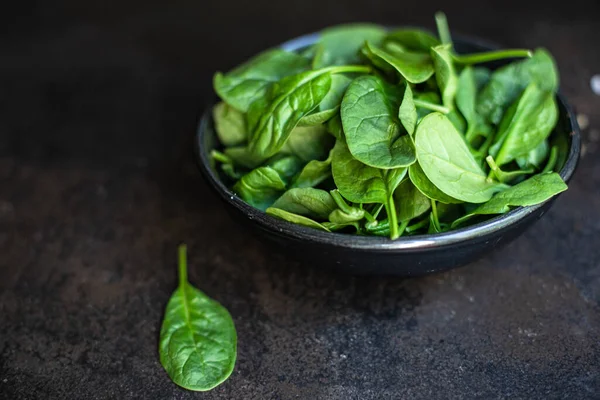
[(371, 126), (286, 166), (230, 125), (295, 219), (250, 81), (413, 39), (198, 341), (308, 143), (536, 157), (260, 187), (408, 111), (340, 45), (243, 157), (341, 218), (425, 186), (313, 173), (414, 67), (507, 83), (330, 105), (466, 101), (444, 73), (410, 202), (447, 161), (526, 124), (308, 202), (334, 226), (532, 191)]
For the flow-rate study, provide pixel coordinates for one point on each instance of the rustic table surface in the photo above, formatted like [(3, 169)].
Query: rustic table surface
[(98, 106)]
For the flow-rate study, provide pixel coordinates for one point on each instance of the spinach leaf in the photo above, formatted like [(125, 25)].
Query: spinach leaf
[(330, 105), (295, 218), (413, 39), (371, 126), (344, 214), (410, 202), (414, 67), (466, 101), (507, 83), (534, 190), (198, 341), (230, 125), (286, 166), (448, 163), (308, 202), (242, 156), (272, 118), (444, 73), (250, 81), (260, 187), (526, 124), (335, 226), (408, 111), (308, 143), (334, 126), (536, 157), (340, 45), (313, 173), (425, 186)]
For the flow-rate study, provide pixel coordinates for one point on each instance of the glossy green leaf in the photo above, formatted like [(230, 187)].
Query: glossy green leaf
[(295, 218), (371, 125), (313, 173), (408, 111), (250, 81), (308, 143), (447, 162), (445, 74), (340, 45), (242, 156), (286, 166), (410, 202), (413, 39), (507, 83), (230, 125), (330, 105), (308, 202), (536, 157), (414, 67), (260, 187), (466, 101), (425, 186), (198, 341), (335, 226), (534, 190)]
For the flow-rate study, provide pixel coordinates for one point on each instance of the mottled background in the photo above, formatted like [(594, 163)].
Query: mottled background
[(98, 104)]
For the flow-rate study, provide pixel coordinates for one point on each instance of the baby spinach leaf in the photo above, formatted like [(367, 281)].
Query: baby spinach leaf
[(260, 187), (271, 119), (444, 73), (286, 166), (552, 160), (526, 124), (371, 126), (242, 156), (308, 143), (308, 202), (507, 83), (534, 190), (313, 173), (295, 218), (425, 186), (414, 67), (448, 163), (410, 202), (340, 45), (536, 157), (198, 341), (413, 39), (250, 81), (330, 105), (408, 111), (466, 100), (230, 125), (334, 226)]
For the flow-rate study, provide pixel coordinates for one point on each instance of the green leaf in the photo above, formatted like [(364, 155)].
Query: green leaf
[(330, 105), (308, 143), (340, 45), (308, 202), (286, 166), (243, 157), (414, 67), (526, 124), (444, 73), (371, 126), (425, 186), (488, 56), (260, 187), (198, 341), (340, 217), (334, 126), (410, 202), (532, 191), (230, 125), (408, 111), (296, 219), (466, 101), (413, 39), (334, 226), (536, 157), (507, 83), (447, 161), (250, 81), (313, 173)]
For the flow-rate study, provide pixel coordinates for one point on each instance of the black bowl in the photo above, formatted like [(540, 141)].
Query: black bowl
[(406, 256)]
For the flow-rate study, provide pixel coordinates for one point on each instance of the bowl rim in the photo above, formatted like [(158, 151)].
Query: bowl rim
[(301, 233)]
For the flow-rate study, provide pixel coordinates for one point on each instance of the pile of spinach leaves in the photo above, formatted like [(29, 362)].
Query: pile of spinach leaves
[(388, 133)]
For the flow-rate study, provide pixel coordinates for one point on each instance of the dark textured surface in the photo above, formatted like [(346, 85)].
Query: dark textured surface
[(97, 187)]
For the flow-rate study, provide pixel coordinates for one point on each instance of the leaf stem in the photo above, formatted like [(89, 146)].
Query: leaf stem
[(418, 225), (442, 26), (217, 155), (552, 159), (431, 106), (378, 210), (340, 69), (390, 208), (341, 203), (182, 250), (434, 212), (487, 56), (403, 226)]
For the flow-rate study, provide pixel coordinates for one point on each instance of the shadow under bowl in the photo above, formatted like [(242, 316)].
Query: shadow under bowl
[(370, 255)]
